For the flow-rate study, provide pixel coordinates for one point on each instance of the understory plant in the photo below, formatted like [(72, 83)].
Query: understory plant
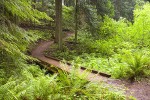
[(68, 19), (14, 40), (32, 84), (139, 32), (137, 64)]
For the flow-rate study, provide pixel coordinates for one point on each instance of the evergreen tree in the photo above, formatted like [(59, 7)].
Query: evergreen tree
[(58, 31)]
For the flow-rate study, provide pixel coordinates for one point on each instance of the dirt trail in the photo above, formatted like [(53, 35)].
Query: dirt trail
[(140, 90), (38, 53)]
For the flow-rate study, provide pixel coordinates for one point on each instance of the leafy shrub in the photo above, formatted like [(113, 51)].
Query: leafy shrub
[(117, 44), (43, 34), (68, 19), (14, 42), (24, 10), (140, 30), (137, 64), (29, 86), (110, 28)]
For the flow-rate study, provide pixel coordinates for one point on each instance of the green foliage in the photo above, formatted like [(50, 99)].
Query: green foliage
[(124, 8), (42, 34), (137, 64), (32, 84), (22, 81), (24, 10), (114, 53), (141, 27), (131, 64), (105, 7), (14, 42), (110, 28), (68, 18), (91, 13), (47, 6), (91, 18)]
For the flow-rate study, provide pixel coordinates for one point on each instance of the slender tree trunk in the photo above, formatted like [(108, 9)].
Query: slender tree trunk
[(3, 6), (34, 1), (76, 20), (43, 5), (58, 20), (118, 9), (3, 12)]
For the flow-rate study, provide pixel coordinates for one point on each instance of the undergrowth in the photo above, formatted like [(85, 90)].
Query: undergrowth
[(122, 49), (108, 57), (32, 84)]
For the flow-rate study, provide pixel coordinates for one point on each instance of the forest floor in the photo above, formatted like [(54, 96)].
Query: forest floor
[(140, 90)]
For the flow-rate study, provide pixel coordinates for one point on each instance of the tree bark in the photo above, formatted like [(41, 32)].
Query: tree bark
[(76, 22), (58, 20), (34, 2)]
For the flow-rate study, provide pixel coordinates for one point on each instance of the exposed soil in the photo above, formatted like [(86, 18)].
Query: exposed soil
[(140, 90)]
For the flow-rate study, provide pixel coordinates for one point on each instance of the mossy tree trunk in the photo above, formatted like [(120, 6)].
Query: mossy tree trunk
[(58, 20)]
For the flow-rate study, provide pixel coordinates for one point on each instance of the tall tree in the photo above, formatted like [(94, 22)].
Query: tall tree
[(58, 20), (69, 3), (124, 8), (104, 7), (76, 22)]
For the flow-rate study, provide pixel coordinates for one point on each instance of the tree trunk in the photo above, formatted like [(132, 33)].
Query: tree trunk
[(3, 10), (76, 20), (43, 6), (117, 8), (34, 2), (58, 20)]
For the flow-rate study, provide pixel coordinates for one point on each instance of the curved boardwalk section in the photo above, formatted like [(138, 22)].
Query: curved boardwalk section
[(38, 53), (139, 90)]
